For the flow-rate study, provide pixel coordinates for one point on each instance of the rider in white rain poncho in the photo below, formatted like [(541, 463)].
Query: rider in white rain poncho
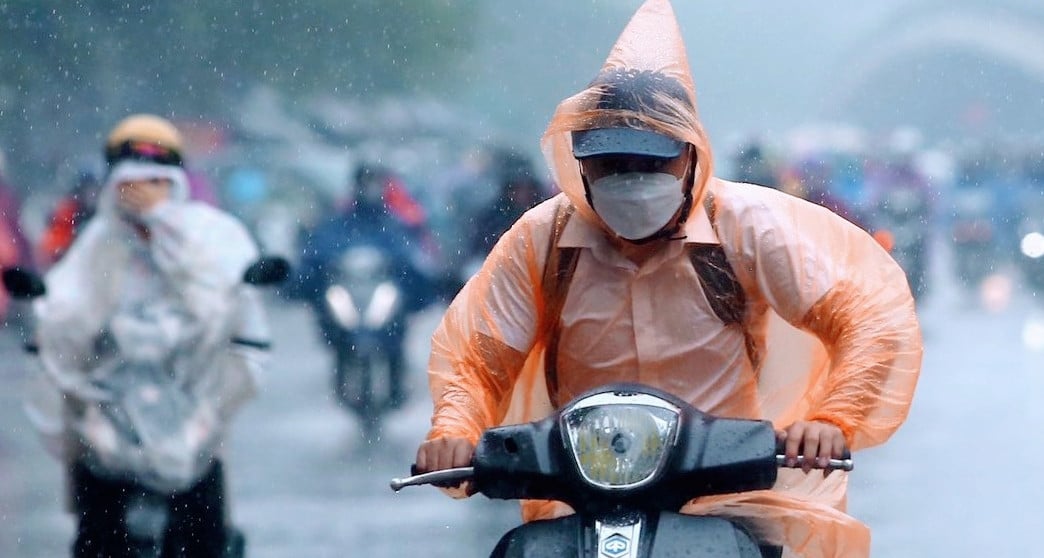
[(743, 301), (161, 278)]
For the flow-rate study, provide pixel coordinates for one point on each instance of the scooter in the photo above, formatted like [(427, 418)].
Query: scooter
[(135, 434), (364, 316), (626, 457), (903, 212), (974, 235)]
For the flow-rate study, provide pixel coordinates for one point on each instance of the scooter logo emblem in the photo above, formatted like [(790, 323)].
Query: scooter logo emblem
[(616, 545)]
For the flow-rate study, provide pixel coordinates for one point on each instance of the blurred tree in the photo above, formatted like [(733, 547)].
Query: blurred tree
[(71, 68)]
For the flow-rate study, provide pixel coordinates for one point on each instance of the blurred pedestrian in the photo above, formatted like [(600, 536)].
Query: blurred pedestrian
[(518, 190)]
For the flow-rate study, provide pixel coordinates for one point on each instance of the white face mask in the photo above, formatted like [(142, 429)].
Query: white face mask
[(637, 205)]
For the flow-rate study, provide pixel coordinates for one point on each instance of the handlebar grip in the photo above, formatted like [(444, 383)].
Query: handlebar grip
[(781, 448), (845, 464)]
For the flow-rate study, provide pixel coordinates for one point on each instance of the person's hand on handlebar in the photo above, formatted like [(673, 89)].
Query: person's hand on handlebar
[(814, 439), (444, 453)]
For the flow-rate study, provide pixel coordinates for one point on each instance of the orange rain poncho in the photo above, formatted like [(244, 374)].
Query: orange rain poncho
[(829, 330)]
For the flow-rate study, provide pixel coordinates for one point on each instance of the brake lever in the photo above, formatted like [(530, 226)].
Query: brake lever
[(445, 477)]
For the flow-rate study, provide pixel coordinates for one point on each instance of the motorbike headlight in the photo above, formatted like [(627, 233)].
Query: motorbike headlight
[(620, 441), (1032, 245), (342, 306), (383, 305)]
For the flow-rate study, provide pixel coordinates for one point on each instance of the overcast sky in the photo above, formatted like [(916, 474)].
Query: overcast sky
[(756, 64)]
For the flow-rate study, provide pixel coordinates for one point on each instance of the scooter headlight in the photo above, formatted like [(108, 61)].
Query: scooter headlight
[(1032, 245), (620, 441), (342, 306)]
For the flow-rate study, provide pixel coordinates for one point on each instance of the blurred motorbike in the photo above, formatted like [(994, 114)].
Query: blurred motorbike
[(626, 457), (143, 431), (974, 235), (365, 315), (903, 214)]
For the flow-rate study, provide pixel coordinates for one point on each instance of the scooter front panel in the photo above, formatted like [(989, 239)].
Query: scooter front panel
[(671, 535), (701, 537), (551, 538)]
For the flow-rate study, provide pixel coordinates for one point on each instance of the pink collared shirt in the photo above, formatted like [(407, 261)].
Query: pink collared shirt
[(648, 323)]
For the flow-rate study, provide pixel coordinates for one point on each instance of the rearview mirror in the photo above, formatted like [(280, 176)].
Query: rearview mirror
[(23, 284), (267, 270)]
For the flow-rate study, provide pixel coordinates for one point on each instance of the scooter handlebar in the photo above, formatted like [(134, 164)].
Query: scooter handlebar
[(449, 477), (841, 464)]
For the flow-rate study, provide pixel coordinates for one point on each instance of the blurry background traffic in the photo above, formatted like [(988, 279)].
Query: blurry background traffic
[(921, 121)]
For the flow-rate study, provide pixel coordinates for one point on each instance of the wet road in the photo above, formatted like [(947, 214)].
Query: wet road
[(959, 479), (962, 476)]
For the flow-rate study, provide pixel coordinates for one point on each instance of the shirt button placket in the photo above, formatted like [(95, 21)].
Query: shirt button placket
[(644, 323)]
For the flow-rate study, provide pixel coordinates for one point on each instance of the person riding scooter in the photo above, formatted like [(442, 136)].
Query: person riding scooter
[(370, 220), (153, 285), (739, 300)]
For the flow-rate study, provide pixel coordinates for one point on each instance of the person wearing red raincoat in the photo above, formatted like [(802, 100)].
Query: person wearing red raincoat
[(823, 341), (69, 217), (14, 248)]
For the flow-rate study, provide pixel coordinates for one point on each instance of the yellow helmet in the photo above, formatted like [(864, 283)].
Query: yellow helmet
[(144, 137)]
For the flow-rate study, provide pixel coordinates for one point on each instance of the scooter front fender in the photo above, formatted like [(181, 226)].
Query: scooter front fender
[(668, 535)]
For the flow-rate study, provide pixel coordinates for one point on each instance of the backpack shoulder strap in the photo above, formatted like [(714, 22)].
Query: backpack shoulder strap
[(561, 261), (554, 287), (718, 279), (723, 290)]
